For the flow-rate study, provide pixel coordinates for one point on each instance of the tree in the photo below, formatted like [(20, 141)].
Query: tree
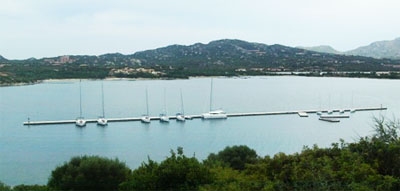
[(4, 187), (383, 148), (35, 187), (179, 172), (89, 173), (235, 157), (143, 178), (176, 172)]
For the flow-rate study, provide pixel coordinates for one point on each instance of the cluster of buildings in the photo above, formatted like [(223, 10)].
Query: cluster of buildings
[(60, 60), (132, 71)]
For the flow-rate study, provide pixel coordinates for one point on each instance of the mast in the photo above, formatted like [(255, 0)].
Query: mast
[(102, 98), (147, 103), (80, 99), (165, 102), (182, 108), (211, 93)]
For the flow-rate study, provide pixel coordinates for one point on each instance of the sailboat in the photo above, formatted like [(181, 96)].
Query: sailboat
[(163, 116), (181, 116), (352, 110), (145, 118), (330, 111), (214, 114), (319, 112), (80, 121), (102, 121)]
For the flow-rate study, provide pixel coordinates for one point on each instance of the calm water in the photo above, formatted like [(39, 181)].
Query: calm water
[(28, 154)]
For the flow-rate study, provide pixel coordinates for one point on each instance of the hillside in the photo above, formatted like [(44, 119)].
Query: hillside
[(2, 59), (380, 49), (237, 53), (222, 57), (389, 49), (322, 49)]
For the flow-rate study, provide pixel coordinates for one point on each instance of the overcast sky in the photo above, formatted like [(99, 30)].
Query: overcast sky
[(47, 28)]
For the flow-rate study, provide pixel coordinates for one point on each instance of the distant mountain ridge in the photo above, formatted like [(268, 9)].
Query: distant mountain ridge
[(233, 54), (219, 52), (225, 54), (322, 49), (2, 58), (227, 57), (381, 49)]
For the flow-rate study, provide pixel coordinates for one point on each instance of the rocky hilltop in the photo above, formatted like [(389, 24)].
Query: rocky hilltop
[(2, 58), (382, 49)]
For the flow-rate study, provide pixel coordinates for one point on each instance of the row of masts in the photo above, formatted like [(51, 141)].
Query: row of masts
[(102, 121), (212, 114), (80, 121)]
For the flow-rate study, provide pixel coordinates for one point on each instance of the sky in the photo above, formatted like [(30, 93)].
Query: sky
[(49, 28)]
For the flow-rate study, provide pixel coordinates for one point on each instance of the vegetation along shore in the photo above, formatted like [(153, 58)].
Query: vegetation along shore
[(217, 58)]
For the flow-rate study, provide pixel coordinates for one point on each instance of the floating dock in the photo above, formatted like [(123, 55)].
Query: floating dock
[(334, 116), (330, 120), (301, 113)]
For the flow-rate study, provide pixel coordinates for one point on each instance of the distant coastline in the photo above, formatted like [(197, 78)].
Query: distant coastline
[(218, 58), (54, 80)]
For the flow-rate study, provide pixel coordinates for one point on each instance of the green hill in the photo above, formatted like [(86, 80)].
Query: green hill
[(222, 57)]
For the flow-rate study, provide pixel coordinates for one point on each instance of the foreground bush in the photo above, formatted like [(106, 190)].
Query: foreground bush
[(4, 187), (235, 157), (89, 173), (176, 172)]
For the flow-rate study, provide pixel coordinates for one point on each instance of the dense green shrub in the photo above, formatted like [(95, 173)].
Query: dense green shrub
[(176, 172), (89, 173), (235, 157)]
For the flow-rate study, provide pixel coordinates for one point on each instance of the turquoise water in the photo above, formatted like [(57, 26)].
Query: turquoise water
[(28, 154)]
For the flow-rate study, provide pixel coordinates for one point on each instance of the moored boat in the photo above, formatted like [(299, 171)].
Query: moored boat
[(180, 117), (164, 118), (102, 121), (145, 118), (80, 122), (214, 114)]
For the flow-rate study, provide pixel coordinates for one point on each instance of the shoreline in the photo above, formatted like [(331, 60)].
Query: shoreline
[(54, 80)]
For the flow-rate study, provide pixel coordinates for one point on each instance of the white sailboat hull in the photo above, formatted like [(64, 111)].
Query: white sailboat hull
[(80, 122), (102, 121), (164, 119), (218, 114), (145, 119), (180, 118)]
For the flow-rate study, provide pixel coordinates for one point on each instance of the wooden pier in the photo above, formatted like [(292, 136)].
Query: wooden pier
[(298, 112)]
